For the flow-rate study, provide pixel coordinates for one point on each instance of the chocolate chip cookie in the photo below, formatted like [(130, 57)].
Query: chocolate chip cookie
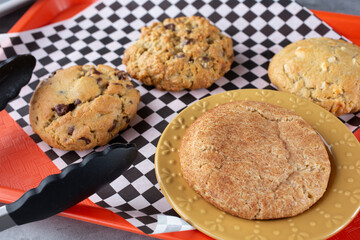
[(180, 53), (255, 160), (323, 70), (82, 107)]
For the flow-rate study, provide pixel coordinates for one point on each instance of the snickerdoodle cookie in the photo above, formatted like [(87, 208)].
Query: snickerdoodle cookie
[(255, 160)]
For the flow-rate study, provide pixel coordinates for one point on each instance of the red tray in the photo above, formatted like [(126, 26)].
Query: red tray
[(19, 174)]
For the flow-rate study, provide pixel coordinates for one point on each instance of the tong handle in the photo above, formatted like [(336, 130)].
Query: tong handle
[(75, 183)]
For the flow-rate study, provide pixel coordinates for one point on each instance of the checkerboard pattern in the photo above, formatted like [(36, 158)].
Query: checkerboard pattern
[(101, 33)]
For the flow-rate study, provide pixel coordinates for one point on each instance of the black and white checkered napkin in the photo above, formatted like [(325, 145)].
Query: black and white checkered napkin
[(101, 33)]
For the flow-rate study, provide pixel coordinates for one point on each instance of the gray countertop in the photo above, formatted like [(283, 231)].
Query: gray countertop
[(55, 228)]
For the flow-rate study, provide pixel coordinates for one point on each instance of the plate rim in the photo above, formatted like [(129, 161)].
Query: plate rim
[(264, 92)]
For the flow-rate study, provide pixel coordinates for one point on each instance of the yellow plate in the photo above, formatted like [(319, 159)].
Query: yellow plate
[(330, 214)]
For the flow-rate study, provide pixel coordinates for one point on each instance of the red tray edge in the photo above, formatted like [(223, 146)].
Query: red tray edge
[(97, 215), (344, 24)]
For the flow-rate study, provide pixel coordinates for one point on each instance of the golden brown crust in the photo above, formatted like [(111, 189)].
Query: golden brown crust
[(82, 107), (180, 53), (323, 70), (255, 160)]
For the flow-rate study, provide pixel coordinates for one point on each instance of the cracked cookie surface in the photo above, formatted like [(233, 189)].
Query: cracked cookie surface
[(255, 160), (323, 70), (179, 53), (82, 107)]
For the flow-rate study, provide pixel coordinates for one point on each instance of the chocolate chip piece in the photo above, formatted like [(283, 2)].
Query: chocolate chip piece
[(116, 83), (127, 118), (72, 106), (94, 71), (61, 109), (188, 31), (87, 141), (113, 126), (71, 130), (128, 86), (77, 102), (209, 41), (52, 74), (187, 41), (121, 75), (170, 26), (205, 59), (180, 55), (98, 80)]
